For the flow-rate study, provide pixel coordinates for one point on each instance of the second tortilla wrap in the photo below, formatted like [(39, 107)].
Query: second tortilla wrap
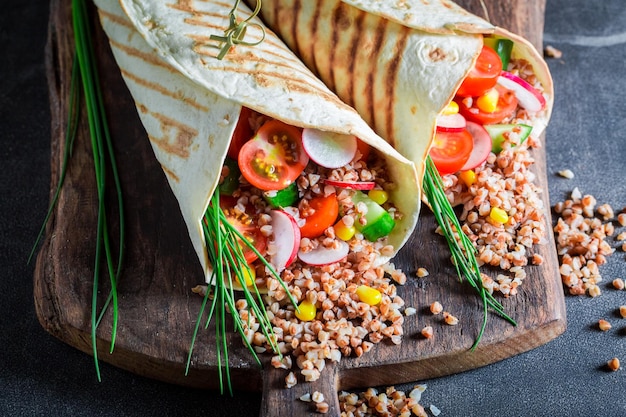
[(397, 63), (189, 103)]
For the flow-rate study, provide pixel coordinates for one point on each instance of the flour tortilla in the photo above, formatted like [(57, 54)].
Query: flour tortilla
[(189, 103), (398, 63)]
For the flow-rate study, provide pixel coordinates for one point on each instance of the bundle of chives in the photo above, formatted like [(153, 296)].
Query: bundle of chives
[(461, 247), (103, 155)]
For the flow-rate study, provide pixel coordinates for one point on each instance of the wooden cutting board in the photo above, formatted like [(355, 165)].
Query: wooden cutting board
[(157, 308)]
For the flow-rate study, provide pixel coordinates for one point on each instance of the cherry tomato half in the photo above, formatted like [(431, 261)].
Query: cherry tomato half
[(484, 74), (274, 158), (507, 103), (247, 227), (450, 150), (243, 133), (363, 149), (324, 216)]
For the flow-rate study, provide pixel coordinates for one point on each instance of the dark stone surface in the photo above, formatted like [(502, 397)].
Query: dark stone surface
[(566, 377)]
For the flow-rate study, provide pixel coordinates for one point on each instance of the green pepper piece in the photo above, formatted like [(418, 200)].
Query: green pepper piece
[(282, 198), (503, 48), (231, 182), (379, 222)]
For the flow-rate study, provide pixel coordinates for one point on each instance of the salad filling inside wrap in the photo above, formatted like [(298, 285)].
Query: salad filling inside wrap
[(401, 63), (317, 197)]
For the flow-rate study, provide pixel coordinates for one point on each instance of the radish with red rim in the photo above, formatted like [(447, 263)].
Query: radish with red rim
[(329, 149), (322, 255), (286, 238), (451, 122), (352, 185), (482, 146), (528, 96)]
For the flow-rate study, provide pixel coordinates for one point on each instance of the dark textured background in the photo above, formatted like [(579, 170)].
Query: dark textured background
[(42, 376)]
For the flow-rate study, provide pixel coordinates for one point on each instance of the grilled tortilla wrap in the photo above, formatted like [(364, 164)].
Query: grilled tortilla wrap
[(189, 102), (397, 63)]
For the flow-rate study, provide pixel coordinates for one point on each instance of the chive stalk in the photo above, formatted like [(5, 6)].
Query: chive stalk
[(104, 157), (225, 253), (462, 250)]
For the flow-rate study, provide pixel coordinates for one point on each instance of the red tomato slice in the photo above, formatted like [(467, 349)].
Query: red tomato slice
[(450, 150), (243, 133), (326, 212), (483, 76), (244, 224), (507, 104), (363, 148), (274, 158)]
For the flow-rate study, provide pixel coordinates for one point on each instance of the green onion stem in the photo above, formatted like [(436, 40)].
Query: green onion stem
[(102, 149), (225, 253), (70, 136), (461, 247)]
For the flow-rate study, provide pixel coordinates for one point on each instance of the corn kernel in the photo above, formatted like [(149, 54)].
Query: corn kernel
[(249, 275), (343, 231), (451, 108), (378, 196), (306, 311), (369, 295), (498, 215), (488, 102), (468, 177)]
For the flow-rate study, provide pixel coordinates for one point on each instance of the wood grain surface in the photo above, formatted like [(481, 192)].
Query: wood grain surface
[(157, 308)]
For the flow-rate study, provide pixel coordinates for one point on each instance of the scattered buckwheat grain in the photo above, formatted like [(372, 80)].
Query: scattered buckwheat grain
[(566, 173), (618, 284), (436, 307), (422, 272), (450, 319), (604, 325), (613, 364), (427, 332)]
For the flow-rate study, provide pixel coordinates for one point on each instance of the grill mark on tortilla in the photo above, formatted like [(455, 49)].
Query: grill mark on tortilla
[(312, 62), (117, 19), (168, 172), (380, 30), (336, 26), (152, 60), (392, 76), (177, 137), (294, 25), (159, 89), (356, 34)]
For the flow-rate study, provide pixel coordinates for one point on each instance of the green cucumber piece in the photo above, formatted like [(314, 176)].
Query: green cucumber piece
[(503, 48), (282, 198), (379, 221), (231, 182), (497, 132)]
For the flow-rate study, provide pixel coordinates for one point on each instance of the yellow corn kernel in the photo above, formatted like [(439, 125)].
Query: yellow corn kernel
[(498, 215), (378, 196), (306, 311), (468, 177), (249, 275), (343, 231), (488, 102), (451, 108), (369, 295)]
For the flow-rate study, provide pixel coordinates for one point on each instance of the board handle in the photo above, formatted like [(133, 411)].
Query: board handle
[(279, 401)]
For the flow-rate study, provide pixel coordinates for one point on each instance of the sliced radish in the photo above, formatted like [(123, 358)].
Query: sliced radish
[(325, 256), (352, 185), (482, 146), (329, 149), (286, 239), (528, 96), (451, 122)]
